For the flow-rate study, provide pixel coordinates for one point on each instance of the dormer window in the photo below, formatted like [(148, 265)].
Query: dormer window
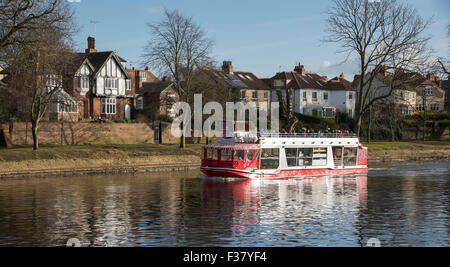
[(278, 83)]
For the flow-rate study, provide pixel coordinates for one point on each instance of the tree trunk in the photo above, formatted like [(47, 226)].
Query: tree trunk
[(11, 130), (183, 137), (358, 124), (34, 132), (369, 127)]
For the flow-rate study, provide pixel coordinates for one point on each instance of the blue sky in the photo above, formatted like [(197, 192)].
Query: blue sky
[(261, 36)]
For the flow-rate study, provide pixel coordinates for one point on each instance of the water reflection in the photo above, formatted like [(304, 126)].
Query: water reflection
[(179, 209)]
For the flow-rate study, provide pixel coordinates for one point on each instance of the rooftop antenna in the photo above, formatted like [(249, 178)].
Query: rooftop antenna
[(95, 22)]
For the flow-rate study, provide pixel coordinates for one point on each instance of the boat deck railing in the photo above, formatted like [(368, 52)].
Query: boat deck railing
[(308, 135)]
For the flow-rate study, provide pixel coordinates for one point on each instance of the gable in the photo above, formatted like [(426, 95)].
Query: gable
[(85, 69), (112, 68)]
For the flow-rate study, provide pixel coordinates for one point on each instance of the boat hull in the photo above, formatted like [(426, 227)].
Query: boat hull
[(231, 173)]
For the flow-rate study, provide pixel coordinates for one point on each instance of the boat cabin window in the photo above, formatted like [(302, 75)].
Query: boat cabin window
[(238, 155), (249, 155), (306, 157), (257, 155), (226, 155), (350, 156), (212, 154), (320, 156), (270, 158)]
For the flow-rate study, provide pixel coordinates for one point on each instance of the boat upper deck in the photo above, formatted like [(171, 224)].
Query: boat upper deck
[(297, 139)]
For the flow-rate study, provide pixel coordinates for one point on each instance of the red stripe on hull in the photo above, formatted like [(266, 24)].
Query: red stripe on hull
[(210, 172)]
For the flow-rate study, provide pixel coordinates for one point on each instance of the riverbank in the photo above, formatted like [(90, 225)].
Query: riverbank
[(21, 161)]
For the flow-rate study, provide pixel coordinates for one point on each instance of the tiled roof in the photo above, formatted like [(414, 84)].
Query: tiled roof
[(339, 84), (238, 79), (153, 87), (313, 81)]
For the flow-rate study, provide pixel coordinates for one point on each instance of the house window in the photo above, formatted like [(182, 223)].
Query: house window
[(82, 82), (314, 96), (140, 103), (419, 107), (304, 96), (68, 107), (266, 95), (255, 95), (242, 94), (128, 85), (434, 107), (111, 83), (108, 106), (428, 91), (325, 96), (350, 96)]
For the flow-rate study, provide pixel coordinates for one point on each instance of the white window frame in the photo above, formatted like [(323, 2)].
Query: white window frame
[(128, 84), (108, 105), (434, 107), (82, 82), (428, 91), (140, 103), (67, 107), (111, 83), (243, 94), (253, 95)]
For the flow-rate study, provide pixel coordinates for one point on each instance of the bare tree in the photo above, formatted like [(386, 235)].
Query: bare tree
[(382, 34), (40, 57), (178, 46), (18, 18)]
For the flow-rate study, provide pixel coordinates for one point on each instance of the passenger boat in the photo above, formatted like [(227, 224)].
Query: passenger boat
[(277, 155)]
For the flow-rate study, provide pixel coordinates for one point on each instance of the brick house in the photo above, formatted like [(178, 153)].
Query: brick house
[(155, 99)]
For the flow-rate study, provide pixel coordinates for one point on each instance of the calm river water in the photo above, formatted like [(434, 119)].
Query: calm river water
[(400, 205)]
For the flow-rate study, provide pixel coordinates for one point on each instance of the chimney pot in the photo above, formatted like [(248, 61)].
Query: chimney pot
[(300, 69), (91, 45), (227, 66)]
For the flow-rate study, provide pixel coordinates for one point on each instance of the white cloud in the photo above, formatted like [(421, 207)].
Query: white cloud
[(326, 64), (73, 1)]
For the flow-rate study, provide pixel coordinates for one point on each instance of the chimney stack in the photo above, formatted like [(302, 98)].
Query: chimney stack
[(341, 76), (300, 69), (431, 77), (228, 67), (91, 45), (166, 79)]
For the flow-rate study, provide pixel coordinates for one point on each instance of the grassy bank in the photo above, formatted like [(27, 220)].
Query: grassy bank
[(408, 150), (23, 159)]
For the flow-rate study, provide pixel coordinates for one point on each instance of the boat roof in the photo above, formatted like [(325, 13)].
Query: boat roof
[(233, 146)]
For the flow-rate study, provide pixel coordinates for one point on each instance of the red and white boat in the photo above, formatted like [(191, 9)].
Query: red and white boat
[(243, 155)]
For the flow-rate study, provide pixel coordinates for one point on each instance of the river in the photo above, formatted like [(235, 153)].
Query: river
[(399, 205)]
